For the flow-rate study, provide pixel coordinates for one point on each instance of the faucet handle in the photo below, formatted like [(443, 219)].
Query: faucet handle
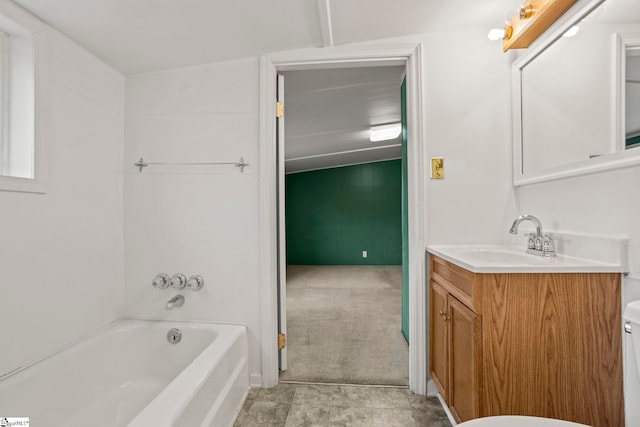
[(178, 281), (161, 281), (195, 283), (548, 245), (538, 242)]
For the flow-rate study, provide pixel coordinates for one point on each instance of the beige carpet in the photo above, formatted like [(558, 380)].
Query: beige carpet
[(343, 325)]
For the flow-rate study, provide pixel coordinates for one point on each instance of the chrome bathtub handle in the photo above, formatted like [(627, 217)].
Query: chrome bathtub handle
[(195, 283), (161, 281), (178, 281)]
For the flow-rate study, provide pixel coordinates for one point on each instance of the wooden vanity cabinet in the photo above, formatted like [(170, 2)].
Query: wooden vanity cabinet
[(438, 338), (455, 343), (543, 344), (465, 356), (455, 339)]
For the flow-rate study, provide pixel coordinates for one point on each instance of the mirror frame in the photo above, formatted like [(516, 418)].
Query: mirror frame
[(620, 158)]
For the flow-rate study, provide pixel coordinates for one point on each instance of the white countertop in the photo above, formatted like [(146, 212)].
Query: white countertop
[(511, 259)]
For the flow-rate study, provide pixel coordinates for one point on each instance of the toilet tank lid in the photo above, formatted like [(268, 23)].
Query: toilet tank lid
[(632, 312)]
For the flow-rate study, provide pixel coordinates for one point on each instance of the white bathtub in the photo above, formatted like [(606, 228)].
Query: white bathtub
[(130, 375)]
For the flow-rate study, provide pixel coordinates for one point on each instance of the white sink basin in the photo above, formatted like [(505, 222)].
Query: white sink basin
[(500, 256), (511, 259)]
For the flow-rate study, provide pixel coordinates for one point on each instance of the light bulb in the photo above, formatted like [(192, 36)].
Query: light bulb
[(496, 34)]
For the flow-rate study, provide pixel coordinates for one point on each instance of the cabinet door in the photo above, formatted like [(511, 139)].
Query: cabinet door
[(465, 361), (438, 338)]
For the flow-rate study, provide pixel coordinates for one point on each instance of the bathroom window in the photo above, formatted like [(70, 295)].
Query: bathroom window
[(5, 149), (21, 165)]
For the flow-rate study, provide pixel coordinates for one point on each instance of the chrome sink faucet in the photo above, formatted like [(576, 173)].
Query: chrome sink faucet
[(174, 302), (539, 243)]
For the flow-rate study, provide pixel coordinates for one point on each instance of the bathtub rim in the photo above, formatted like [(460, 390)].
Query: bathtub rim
[(103, 329)]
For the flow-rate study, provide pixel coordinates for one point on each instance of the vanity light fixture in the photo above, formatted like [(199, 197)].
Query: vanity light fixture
[(385, 132), (532, 19)]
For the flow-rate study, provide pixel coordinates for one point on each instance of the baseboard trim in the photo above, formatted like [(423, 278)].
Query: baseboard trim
[(255, 379), (432, 390), (446, 410)]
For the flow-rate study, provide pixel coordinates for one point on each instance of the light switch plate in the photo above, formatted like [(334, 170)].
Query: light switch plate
[(437, 168)]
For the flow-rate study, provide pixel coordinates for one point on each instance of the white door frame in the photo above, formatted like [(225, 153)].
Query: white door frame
[(410, 56), (282, 249)]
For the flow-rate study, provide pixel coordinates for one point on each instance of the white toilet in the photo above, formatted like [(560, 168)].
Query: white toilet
[(518, 421), (631, 315), (632, 366)]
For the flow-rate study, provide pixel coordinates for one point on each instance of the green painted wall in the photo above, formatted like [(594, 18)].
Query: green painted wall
[(405, 214), (332, 215)]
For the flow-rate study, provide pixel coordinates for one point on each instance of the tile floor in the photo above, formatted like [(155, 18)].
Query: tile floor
[(300, 405)]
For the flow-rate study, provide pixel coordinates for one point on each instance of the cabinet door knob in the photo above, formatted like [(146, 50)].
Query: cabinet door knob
[(444, 315)]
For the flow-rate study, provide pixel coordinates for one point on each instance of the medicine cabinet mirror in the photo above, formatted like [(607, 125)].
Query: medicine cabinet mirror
[(576, 95)]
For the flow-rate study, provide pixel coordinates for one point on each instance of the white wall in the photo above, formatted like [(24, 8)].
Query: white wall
[(194, 220), (466, 95), (61, 256), (205, 220)]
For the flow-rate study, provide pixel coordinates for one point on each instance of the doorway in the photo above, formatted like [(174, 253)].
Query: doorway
[(344, 194), (404, 55)]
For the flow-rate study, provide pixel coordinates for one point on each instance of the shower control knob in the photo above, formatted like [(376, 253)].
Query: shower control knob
[(161, 281), (195, 283), (178, 281)]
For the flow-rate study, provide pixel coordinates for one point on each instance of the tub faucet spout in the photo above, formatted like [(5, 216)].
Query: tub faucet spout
[(174, 302)]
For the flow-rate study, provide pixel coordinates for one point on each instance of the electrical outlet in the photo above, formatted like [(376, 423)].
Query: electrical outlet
[(364, 254)]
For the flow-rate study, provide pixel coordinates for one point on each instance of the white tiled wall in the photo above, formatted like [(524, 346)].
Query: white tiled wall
[(61, 256), (194, 220)]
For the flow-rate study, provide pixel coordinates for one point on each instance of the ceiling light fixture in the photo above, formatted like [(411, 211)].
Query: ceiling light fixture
[(385, 132)]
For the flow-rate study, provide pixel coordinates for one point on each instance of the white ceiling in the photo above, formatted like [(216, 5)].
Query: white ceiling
[(328, 115), (137, 36)]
